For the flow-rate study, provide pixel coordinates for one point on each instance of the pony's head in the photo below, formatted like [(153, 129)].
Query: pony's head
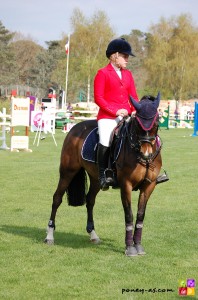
[(147, 123)]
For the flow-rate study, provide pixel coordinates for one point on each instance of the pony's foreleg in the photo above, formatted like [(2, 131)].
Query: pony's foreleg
[(57, 200), (137, 238), (130, 249), (90, 202)]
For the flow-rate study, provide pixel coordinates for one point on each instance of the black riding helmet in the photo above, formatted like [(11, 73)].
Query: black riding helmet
[(119, 45)]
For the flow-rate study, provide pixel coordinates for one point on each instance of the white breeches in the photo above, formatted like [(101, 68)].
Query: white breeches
[(105, 129)]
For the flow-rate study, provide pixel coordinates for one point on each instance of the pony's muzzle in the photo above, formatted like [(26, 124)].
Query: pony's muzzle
[(146, 147)]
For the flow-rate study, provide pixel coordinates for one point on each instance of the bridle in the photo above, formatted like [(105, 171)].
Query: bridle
[(135, 141)]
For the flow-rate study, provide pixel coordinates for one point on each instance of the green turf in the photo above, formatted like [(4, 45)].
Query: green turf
[(74, 268)]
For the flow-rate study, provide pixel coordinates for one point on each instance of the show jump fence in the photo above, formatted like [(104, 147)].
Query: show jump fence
[(195, 120), (4, 124)]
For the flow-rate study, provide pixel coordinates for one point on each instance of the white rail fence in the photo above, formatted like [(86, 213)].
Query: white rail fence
[(4, 125)]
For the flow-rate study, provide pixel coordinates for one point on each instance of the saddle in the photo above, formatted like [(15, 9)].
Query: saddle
[(90, 145)]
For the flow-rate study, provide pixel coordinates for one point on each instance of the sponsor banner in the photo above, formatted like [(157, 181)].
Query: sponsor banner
[(20, 112), (43, 121), (19, 142), (33, 101)]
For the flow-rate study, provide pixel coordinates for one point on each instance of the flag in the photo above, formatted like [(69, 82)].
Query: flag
[(67, 47)]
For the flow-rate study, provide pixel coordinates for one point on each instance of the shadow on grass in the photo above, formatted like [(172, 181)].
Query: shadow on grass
[(63, 239)]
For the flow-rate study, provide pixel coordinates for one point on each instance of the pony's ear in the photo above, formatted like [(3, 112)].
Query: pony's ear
[(136, 104), (157, 100)]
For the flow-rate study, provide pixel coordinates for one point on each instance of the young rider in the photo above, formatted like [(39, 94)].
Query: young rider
[(112, 86)]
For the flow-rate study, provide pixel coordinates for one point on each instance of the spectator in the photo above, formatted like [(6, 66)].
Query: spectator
[(69, 107)]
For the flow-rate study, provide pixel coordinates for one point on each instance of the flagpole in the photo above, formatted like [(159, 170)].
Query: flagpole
[(67, 68)]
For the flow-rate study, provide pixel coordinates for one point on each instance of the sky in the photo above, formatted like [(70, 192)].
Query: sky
[(45, 20)]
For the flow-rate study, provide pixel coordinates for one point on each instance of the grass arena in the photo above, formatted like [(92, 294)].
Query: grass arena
[(74, 268)]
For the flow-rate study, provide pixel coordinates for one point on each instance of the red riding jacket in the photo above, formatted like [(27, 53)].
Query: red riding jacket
[(112, 93)]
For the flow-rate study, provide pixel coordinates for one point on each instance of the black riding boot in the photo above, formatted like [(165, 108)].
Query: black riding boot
[(105, 175)]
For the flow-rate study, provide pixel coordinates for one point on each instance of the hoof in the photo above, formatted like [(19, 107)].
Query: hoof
[(131, 251), (49, 242), (94, 238), (140, 249), (95, 241)]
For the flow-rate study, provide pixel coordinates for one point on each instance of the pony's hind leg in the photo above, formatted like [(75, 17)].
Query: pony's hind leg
[(90, 202), (57, 200)]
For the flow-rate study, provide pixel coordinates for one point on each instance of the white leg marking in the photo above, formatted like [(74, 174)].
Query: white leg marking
[(50, 233), (93, 237), (129, 227)]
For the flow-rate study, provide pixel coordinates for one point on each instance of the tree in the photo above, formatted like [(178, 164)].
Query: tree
[(25, 52), (7, 65), (183, 59), (38, 75), (46, 61), (56, 56), (172, 57), (87, 49), (138, 41)]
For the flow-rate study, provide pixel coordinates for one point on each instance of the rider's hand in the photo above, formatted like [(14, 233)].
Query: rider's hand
[(122, 112)]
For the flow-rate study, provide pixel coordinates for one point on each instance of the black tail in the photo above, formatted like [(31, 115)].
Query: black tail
[(76, 191)]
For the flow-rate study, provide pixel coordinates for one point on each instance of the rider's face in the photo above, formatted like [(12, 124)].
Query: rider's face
[(120, 60)]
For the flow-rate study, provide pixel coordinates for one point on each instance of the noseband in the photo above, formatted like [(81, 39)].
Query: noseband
[(146, 138)]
